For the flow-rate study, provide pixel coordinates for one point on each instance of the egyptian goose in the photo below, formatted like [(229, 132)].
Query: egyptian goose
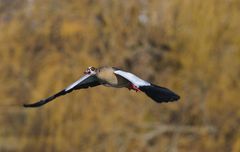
[(114, 77)]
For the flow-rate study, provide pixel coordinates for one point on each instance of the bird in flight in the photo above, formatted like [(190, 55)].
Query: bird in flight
[(117, 78)]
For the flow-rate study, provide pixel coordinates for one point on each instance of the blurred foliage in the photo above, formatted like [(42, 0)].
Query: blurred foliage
[(189, 46)]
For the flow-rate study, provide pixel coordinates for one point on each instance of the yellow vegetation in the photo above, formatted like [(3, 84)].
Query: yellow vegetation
[(192, 47)]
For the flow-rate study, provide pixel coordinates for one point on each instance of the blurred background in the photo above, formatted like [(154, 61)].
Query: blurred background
[(191, 47)]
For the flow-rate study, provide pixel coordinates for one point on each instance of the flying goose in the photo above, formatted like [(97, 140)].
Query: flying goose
[(117, 78)]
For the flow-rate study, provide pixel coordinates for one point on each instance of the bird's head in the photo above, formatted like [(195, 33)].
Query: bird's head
[(90, 70)]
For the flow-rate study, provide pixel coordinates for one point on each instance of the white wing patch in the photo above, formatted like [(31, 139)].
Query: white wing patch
[(132, 78), (78, 82)]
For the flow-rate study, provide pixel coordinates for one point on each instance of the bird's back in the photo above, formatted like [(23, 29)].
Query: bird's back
[(107, 76)]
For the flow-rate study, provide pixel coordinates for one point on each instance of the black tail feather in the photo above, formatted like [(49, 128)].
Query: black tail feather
[(159, 94)]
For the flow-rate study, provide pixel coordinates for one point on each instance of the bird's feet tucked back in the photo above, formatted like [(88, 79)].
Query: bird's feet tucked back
[(133, 87)]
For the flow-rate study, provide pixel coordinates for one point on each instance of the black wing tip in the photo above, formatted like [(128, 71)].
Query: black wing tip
[(36, 104), (160, 94), (167, 99), (45, 101), (175, 97), (30, 105), (26, 106), (172, 98)]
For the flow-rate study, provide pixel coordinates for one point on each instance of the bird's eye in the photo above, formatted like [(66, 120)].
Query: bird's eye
[(92, 69)]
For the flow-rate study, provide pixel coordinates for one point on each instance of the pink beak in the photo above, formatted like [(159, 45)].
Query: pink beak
[(86, 72)]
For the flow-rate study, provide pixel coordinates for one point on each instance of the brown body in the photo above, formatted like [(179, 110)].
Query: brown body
[(108, 78)]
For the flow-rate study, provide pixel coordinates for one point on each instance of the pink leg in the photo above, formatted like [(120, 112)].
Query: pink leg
[(133, 87)]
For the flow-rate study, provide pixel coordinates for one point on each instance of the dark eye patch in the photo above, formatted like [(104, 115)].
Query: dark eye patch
[(92, 69)]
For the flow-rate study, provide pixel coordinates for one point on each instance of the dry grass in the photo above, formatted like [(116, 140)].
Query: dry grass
[(191, 47)]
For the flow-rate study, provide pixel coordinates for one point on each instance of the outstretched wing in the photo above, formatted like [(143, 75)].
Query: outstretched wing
[(157, 93), (84, 82)]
